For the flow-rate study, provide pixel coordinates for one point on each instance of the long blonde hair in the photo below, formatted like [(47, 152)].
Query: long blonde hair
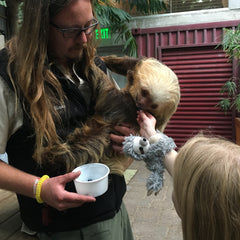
[(207, 189), (31, 75)]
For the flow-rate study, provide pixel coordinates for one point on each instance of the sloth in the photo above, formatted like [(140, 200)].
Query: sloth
[(151, 86)]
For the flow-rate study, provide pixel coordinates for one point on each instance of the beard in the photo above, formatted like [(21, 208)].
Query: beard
[(80, 54)]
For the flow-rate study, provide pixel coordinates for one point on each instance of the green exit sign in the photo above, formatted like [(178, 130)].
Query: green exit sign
[(105, 34)]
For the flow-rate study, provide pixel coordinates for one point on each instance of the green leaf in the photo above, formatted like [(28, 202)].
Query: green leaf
[(117, 19), (230, 87), (224, 104), (237, 102), (231, 42)]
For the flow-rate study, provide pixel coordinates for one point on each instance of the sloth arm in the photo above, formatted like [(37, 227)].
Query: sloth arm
[(120, 65)]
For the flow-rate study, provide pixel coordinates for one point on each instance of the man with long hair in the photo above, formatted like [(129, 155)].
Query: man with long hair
[(47, 89)]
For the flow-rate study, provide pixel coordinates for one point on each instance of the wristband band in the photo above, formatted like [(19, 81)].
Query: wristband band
[(35, 187), (155, 138), (39, 187), (164, 145)]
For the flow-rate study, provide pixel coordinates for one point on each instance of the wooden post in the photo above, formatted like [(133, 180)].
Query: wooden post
[(237, 129)]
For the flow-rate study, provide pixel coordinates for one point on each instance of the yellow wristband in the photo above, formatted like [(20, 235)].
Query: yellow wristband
[(39, 187)]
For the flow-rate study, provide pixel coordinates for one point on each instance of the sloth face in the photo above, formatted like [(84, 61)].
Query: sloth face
[(145, 101)]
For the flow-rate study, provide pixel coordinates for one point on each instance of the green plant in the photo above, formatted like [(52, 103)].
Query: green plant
[(146, 7), (110, 15), (3, 3), (231, 46), (117, 21), (231, 42), (232, 101)]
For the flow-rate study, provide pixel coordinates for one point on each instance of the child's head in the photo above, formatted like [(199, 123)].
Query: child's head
[(207, 189)]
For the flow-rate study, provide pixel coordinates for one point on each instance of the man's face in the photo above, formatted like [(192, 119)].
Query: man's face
[(75, 15)]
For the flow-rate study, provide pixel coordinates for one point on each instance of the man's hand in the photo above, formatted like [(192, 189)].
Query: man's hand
[(117, 140), (54, 194)]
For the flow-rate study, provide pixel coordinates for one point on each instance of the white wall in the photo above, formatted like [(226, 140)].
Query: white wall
[(233, 4), (185, 18)]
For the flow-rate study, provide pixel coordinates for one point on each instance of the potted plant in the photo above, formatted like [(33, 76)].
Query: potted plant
[(231, 46)]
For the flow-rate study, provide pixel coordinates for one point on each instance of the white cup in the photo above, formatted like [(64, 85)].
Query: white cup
[(93, 180)]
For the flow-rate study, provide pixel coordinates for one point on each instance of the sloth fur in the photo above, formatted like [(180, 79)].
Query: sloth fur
[(151, 86)]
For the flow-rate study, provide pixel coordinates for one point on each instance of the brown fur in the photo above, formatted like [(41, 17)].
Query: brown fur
[(120, 106), (91, 143)]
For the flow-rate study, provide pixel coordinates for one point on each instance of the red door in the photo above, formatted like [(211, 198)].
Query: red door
[(201, 71), (202, 68)]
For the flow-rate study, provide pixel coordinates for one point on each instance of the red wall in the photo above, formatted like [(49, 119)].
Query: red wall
[(193, 53)]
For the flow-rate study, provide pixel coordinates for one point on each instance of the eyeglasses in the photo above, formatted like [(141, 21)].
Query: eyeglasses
[(75, 32)]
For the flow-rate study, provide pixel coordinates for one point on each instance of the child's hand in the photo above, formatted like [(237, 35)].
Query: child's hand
[(147, 123)]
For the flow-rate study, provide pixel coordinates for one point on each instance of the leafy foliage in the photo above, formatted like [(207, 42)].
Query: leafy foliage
[(146, 6), (108, 14), (193, 5), (231, 43), (231, 46), (233, 99), (230, 87), (116, 19), (3, 3), (224, 104)]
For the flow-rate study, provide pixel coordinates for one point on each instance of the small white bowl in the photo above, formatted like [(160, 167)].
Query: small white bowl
[(93, 180)]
